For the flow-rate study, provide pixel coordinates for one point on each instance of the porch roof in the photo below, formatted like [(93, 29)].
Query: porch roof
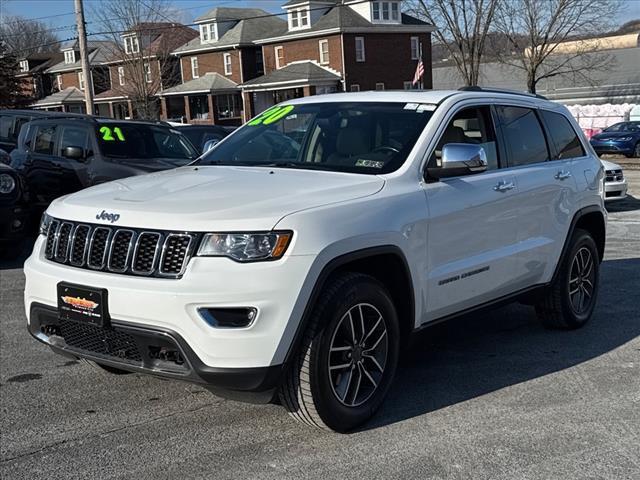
[(210, 82), (293, 75), (66, 96)]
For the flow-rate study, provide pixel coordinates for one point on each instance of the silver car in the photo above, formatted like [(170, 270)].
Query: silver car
[(615, 185)]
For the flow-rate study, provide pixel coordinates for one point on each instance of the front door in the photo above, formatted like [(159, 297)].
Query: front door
[(472, 228)]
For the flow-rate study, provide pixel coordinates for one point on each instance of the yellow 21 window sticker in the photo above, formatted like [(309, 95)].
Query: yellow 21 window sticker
[(271, 115), (107, 134)]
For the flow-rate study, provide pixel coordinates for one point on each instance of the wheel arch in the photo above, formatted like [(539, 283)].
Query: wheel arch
[(387, 264)]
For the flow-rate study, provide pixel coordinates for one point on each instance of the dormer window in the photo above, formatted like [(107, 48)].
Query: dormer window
[(70, 56), (208, 32), (131, 44), (298, 19), (24, 65), (385, 11)]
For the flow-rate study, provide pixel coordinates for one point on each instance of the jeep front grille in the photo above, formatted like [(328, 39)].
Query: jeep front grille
[(120, 250)]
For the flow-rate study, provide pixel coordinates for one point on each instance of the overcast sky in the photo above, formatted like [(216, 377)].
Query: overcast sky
[(189, 9)]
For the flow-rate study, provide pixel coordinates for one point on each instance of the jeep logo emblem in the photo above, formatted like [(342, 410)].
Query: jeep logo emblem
[(112, 217)]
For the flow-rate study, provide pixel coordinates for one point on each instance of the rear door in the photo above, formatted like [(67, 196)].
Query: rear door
[(545, 195), (473, 219), (43, 176)]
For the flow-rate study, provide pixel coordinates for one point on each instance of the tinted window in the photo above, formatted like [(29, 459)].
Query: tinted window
[(44, 139), (624, 127), (6, 124), (523, 136), (73, 137), (471, 125), (361, 137), (563, 136)]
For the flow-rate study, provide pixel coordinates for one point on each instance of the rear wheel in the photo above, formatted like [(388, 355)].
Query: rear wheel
[(571, 299), (348, 358)]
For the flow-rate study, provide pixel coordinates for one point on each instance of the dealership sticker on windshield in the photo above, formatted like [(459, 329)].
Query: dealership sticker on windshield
[(107, 134), (369, 163), (271, 115), (411, 106), (425, 107)]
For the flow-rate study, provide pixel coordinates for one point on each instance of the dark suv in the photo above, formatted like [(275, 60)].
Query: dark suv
[(61, 156)]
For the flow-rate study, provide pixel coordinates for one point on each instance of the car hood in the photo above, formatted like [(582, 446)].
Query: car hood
[(213, 198), (611, 135), (610, 165), (149, 165)]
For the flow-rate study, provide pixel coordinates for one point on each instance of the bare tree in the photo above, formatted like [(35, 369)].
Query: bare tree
[(555, 37), (143, 38), (23, 36), (462, 29)]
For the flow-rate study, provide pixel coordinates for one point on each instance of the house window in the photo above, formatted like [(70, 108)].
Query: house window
[(194, 67), (259, 62), (379, 85), (385, 11), (279, 52), (24, 65), (208, 33), (415, 48), (121, 75), (298, 19), (147, 73), (131, 44), (59, 82), (407, 85), (359, 49), (227, 64), (324, 51), (70, 56), (81, 80), (229, 106), (355, 87), (323, 90)]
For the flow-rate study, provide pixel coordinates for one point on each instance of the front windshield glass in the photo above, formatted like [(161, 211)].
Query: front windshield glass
[(624, 127), (136, 141), (359, 137)]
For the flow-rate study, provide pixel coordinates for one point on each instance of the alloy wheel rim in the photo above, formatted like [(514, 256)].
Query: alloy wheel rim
[(358, 354), (582, 281)]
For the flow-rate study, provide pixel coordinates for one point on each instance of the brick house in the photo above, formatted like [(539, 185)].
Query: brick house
[(140, 66), (34, 83), (67, 80), (347, 45), (216, 62)]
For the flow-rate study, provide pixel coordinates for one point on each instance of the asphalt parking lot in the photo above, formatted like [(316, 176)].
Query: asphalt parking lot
[(490, 396)]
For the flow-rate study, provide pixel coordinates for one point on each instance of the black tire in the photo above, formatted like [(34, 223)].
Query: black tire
[(636, 152), (106, 368), (564, 307), (310, 389)]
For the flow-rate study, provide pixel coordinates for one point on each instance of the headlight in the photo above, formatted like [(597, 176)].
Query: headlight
[(245, 247), (45, 222), (7, 183)]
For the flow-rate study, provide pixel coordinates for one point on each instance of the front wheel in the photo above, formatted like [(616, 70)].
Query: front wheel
[(636, 152), (571, 299), (348, 358)]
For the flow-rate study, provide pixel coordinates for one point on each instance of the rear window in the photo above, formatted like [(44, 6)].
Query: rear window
[(563, 136), (523, 136)]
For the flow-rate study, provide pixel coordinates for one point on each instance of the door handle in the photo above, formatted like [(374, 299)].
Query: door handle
[(562, 175), (504, 186)]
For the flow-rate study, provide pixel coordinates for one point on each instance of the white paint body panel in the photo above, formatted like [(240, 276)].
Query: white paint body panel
[(443, 229)]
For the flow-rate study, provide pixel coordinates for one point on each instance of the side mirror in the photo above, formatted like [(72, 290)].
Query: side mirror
[(74, 153), (209, 144), (460, 159)]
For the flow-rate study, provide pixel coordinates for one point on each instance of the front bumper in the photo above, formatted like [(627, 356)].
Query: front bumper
[(615, 190), (148, 350), (274, 289), (612, 147)]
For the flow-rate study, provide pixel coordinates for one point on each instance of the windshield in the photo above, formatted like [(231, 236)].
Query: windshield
[(624, 127), (134, 141), (349, 137)]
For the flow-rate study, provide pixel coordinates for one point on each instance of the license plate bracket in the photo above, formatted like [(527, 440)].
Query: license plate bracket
[(79, 303)]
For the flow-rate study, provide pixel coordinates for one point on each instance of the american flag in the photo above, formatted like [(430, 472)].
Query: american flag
[(419, 72)]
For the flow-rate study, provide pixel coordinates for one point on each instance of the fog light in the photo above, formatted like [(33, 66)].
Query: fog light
[(228, 317)]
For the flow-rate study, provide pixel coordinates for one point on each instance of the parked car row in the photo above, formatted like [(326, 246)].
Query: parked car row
[(46, 155)]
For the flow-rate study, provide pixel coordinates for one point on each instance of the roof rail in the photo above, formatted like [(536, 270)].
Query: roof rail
[(475, 88)]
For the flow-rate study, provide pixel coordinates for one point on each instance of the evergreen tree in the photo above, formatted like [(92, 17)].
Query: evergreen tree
[(11, 93)]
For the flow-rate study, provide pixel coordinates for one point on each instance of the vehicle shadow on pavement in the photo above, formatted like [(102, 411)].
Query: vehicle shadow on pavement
[(629, 204), (14, 257), (480, 353)]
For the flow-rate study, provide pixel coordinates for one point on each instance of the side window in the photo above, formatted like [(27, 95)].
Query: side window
[(72, 137), (6, 124), (563, 136), (44, 139), (470, 125), (523, 136)]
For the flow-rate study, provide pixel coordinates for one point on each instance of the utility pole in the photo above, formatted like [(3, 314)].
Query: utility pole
[(84, 56)]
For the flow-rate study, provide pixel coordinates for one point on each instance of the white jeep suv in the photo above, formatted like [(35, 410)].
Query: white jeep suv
[(295, 258)]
